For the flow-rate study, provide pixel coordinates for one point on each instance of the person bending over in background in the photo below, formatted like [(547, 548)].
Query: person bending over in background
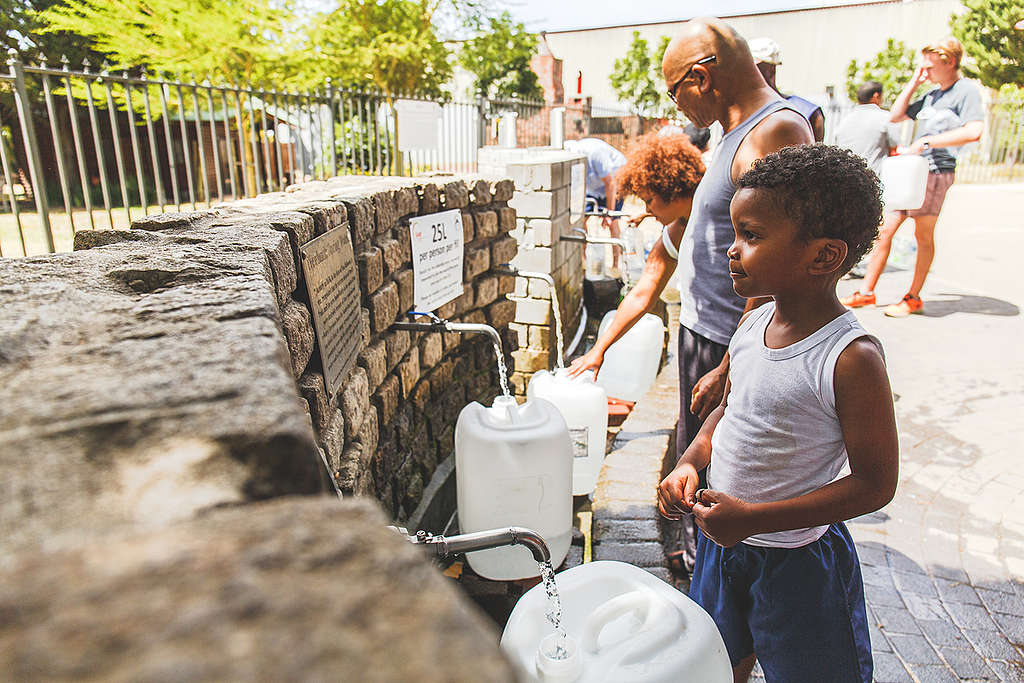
[(808, 395)]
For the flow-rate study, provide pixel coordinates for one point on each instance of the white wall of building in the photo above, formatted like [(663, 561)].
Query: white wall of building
[(817, 44)]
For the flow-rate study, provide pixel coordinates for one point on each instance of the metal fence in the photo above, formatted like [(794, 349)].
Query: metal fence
[(86, 149)]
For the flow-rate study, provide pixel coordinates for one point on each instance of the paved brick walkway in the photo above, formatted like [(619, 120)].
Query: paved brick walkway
[(944, 562)]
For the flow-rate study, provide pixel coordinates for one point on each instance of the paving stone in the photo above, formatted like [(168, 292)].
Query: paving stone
[(889, 669), (902, 563), (914, 649), (970, 616), (640, 554), (883, 595), (942, 632), (991, 644), (1001, 602), (1008, 671), (957, 591), (915, 583), (877, 576), (934, 673), (879, 643), (966, 663), (924, 607), (1012, 626), (895, 621)]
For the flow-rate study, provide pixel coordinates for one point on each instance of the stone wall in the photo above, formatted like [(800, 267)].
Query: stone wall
[(171, 368), (542, 179)]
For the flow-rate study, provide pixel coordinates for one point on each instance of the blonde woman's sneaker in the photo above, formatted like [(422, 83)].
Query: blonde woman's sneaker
[(858, 300), (909, 304)]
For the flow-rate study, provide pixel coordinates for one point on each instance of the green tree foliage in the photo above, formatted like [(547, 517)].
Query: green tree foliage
[(22, 29), (893, 67), (633, 77), (237, 41), (995, 49), (499, 56), (390, 45)]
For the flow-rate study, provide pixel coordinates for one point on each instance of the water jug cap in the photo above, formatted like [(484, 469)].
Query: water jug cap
[(564, 669)]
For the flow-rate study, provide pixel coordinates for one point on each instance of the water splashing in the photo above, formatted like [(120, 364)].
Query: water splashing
[(502, 371), (557, 315), (554, 609)]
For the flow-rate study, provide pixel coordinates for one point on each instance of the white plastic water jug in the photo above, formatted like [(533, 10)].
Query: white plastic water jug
[(584, 405), (513, 467), (904, 181), (623, 624), (631, 364)]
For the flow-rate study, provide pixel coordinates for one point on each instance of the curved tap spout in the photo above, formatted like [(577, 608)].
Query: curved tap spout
[(483, 540)]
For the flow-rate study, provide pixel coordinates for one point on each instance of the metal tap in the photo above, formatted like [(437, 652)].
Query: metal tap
[(591, 239), (443, 546), (436, 324)]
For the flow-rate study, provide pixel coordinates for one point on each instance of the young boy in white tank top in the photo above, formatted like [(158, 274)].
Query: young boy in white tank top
[(808, 394)]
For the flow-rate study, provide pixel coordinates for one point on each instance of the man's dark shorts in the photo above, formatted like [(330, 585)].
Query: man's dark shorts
[(602, 202), (800, 610)]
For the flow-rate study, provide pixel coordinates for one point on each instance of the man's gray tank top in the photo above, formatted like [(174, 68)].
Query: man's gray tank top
[(708, 304)]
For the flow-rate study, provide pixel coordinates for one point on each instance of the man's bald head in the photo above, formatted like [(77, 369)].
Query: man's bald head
[(725, 77)]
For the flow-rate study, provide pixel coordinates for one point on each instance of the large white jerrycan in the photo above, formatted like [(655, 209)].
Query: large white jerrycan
[(904, 181), (513, 467), (622, 624), (631, 364), (584, 405)]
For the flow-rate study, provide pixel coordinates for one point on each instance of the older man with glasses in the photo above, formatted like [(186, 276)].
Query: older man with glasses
[(711, 76)]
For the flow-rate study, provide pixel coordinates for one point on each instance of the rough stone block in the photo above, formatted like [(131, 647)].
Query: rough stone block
[(477, 260), (409, 371), (420, 397), (374, 360), (386, 398), (468, 228), (486, 290), (539, 289), (406, 281), (446, 311), (384, 307), (431, 349), (539, 337), (397, 343), (465, 301), (504, 250), (537, 259), (521, 331), (517, 383), (540, 203), (312, 388), (369, 431), (385, 210), (430, 201), (394, 256), (332, 437), (501, 313), (355, 396), (364, 325), (502, 190), (480, 193), (507, 284), (506, 219), (406, 200), (533, 311), (326, 215), (298, 331), (360, 220), (456, 195), (369, 263), (486, 223)]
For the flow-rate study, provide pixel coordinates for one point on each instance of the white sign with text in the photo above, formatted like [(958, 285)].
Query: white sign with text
[(419, 124), (437, 256)]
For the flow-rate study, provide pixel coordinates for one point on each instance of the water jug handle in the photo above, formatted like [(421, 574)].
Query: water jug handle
[(660, 627)]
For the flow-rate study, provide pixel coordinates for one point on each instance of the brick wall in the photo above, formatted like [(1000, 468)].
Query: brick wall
[(542, 203)]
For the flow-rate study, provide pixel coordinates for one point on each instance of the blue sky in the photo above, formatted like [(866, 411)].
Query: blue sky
[(552, 15)]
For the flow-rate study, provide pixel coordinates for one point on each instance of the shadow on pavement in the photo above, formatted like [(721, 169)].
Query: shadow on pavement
[(968, 303)]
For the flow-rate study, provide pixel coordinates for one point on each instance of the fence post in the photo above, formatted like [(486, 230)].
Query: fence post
[(28, 132)]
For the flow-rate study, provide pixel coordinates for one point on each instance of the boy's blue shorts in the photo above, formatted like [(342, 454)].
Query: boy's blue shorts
[(801, 610)]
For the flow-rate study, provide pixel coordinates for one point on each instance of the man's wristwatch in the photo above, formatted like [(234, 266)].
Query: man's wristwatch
[(925, 144)]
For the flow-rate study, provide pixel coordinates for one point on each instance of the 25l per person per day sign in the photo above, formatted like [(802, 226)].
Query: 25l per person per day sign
[(437, 256)]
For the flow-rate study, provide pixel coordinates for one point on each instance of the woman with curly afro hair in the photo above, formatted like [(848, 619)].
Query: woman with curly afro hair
[(663, 172)]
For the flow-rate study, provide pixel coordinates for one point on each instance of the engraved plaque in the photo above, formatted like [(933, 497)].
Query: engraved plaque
[(329, 265)]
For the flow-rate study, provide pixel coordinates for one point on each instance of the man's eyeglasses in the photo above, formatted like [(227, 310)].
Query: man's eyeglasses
[(675, 86)]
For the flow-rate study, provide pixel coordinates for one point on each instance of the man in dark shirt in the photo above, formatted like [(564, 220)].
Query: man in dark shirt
[(768, 57)]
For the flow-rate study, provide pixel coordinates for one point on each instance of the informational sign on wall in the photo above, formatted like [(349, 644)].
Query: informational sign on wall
[(437, 255), (577, 189), (418, 124), (329, 266)]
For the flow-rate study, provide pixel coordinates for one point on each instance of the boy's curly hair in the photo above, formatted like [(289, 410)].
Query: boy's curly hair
[(668, 167), (827, 191)]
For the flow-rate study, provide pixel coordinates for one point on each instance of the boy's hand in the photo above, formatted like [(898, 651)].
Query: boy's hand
[(724, 519), (707, 392), (676, 491)]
